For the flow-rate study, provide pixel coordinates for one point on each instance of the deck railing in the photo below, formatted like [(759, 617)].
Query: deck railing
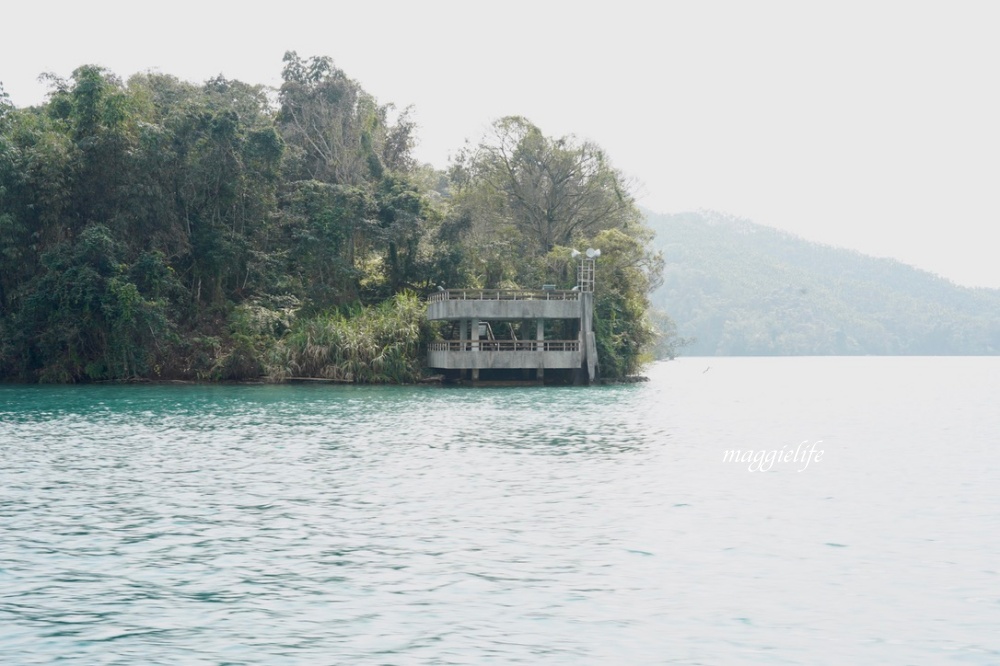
[(504, 295), (505, 345)]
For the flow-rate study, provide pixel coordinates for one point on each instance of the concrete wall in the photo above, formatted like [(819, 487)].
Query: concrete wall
[(483, 360), (504, 309)]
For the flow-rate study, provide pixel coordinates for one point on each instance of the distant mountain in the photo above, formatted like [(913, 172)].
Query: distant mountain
[(738, 288)]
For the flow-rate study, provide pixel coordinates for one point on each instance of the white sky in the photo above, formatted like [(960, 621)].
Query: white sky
[(869, 125)]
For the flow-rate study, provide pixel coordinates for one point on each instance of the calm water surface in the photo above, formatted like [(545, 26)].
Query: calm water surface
[(330, 524)]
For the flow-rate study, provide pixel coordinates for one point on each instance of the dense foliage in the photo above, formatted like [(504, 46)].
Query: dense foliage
[(742, 289), (156, 228), (377, 345), (522, 200)]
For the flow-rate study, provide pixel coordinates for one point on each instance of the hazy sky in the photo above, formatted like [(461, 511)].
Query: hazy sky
[(870, 125)]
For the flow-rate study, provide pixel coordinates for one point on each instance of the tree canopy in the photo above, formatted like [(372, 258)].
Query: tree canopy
[(553, 192), (522, 200), (159, 228)]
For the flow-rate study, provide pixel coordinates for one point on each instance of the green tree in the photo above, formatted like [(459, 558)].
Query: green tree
[(553, 191), (626, 272), (325, 224), (404, 215), (338, 132), (349, 199), (5, 104), (522, 200), (37, 174), (222, 173), (85, 318)]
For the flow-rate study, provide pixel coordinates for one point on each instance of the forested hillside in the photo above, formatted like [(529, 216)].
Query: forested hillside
[(156, 228), (738, 288)]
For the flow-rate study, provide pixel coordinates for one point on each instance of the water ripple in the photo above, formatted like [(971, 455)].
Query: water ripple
[(308, 525)]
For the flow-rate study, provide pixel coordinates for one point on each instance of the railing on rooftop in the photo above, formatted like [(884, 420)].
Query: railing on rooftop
[(505, 345), (505, 295)]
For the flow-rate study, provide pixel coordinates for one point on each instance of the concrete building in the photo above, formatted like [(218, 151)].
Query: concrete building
[(517, 334)]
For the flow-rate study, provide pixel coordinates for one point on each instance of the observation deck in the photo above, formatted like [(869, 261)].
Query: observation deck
[(504, 330), (509, 304)]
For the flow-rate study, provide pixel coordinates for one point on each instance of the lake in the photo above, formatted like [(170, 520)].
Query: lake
[(730, 510)]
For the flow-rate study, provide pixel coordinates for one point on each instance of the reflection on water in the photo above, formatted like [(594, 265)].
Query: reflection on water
[(332, 524)]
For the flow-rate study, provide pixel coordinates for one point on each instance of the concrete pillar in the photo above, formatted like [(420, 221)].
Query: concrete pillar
[(540, 337), (525, 337), (474, 336), (587, 339), (463, 335)]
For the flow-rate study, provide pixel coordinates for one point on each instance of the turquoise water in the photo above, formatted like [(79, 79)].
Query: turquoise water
[(397, 525)]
